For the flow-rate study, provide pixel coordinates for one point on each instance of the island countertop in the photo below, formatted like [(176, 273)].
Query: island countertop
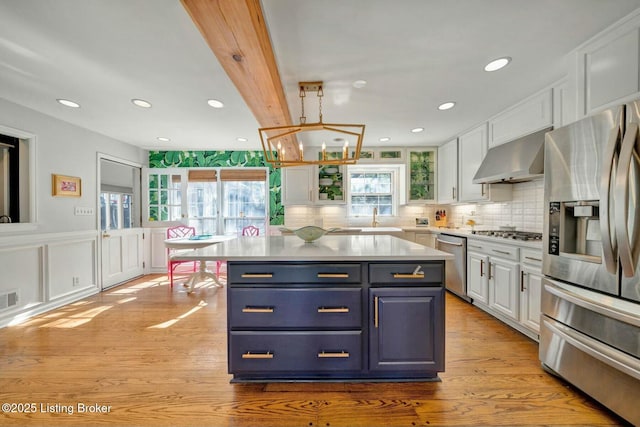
[(327, 248)]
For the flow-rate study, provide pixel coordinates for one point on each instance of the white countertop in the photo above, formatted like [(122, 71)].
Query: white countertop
[(327, 248)]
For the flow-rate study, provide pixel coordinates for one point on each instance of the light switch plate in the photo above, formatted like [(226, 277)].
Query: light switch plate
[(79, 210)]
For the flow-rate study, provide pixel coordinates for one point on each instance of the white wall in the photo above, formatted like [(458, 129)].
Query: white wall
[(56, 261)]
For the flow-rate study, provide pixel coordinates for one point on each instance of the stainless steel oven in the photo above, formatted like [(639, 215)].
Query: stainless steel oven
[(590, 325)]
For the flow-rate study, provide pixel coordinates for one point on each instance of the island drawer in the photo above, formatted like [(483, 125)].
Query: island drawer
[(406, 273), (269, 352), (239, 273), (295, 308)]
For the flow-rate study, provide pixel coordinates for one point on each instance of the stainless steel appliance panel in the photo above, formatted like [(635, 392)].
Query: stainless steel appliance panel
[(456, 269), (628, 198), (580, 164)]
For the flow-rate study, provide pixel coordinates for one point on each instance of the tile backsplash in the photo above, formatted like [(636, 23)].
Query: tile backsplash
[(525, 212)]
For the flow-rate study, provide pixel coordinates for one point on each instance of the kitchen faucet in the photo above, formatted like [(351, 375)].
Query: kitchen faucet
[(375, 213)]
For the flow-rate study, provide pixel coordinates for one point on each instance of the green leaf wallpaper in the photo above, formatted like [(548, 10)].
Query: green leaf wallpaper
[(212, 159)]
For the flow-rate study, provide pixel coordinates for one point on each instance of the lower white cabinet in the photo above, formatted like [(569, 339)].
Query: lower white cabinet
[(530, 289), (503, 286), (505, 281)]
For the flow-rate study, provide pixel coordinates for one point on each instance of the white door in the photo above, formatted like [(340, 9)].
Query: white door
[(122, 249), (122, 255)]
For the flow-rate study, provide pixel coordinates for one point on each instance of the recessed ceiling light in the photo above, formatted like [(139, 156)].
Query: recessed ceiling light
[(359, 84), (68, 103), (141, 103), (446, 105), (164, 139), (384, 139), (496, 64), (417, 130), (215, 103), (241, 139)]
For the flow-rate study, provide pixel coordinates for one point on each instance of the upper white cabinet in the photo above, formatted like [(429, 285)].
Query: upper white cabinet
[(448, 172), (524, 118), (297, 185), (472, 149), (608, 67)]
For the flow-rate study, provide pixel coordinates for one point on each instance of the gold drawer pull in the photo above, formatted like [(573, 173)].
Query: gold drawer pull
[(257, 310), (334, 355), (333, 275), (408, 276), (333, 309), (257, 275), (249, 355)]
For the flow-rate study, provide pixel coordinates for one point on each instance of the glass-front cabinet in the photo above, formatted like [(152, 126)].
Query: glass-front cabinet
[(331, 181), (421, 175)]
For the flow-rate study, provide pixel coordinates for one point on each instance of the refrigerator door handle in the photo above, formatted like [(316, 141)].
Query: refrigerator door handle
[(609, 246), (628, 258)]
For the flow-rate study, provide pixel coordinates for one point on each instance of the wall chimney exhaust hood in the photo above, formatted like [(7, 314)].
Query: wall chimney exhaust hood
[(516, 161)]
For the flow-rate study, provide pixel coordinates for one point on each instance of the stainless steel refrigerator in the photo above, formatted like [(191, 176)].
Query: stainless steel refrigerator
[(590, 323)]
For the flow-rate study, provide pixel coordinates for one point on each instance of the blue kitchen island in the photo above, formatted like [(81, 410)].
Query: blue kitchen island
[(344, 308)]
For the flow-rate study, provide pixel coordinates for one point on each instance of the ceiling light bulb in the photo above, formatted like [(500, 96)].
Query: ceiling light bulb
[(496, 64), (446, 106), (164, 139), (417, 130), (141, 103), (359, 84), (215, 103), (384, 139), (68, 103)]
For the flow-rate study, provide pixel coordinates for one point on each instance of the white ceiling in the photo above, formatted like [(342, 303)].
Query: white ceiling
[(414, 54)]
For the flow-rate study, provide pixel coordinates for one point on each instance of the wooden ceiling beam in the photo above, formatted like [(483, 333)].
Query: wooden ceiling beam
[(237, 33)]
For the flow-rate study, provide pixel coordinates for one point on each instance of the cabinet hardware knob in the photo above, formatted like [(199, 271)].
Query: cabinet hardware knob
[(249, 355), (257, 275), (333, 275), (341, 354), (333, 309), (257, 310)]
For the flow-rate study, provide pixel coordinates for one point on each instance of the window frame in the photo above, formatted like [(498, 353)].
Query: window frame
[(396, 174)]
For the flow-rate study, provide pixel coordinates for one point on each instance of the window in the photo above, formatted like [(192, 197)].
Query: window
[(116, 211), (218, 201), (372, 187)]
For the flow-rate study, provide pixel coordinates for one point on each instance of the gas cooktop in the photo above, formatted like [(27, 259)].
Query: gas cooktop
[(510, 234)]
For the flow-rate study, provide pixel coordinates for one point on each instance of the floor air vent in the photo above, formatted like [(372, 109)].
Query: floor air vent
[(8, 300)]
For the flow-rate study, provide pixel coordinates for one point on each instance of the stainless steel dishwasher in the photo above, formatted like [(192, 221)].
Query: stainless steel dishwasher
[(455, 270)]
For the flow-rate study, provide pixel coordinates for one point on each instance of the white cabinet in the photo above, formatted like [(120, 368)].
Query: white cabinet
[(472, 150), (477, 283), (448, 172), (503, 286), (531, 115), (608, 68), (421, 177), (530, 288), (157, 250), (297, 184), (426, 239)]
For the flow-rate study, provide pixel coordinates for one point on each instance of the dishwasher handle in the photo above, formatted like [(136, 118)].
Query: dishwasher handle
[(449, 243)]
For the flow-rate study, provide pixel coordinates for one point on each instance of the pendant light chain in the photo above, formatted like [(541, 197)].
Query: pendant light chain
[(302, 94), (320, 95)]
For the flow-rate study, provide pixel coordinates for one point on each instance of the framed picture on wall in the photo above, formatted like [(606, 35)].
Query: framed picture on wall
[(63, 185)]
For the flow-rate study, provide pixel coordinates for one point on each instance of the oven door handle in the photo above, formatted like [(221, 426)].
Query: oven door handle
[(609, 164), (594, 348), (628, 258)]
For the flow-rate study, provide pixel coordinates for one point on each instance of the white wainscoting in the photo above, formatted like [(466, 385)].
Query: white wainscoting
[(47, 271)]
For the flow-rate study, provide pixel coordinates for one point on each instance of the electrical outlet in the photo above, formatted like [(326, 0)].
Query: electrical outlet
[(79, 210), (76, 281)]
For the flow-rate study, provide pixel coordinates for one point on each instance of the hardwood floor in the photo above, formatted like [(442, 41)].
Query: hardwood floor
[(158, 357)]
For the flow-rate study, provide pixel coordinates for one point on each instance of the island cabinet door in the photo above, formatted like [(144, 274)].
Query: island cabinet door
[(406, 329)]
